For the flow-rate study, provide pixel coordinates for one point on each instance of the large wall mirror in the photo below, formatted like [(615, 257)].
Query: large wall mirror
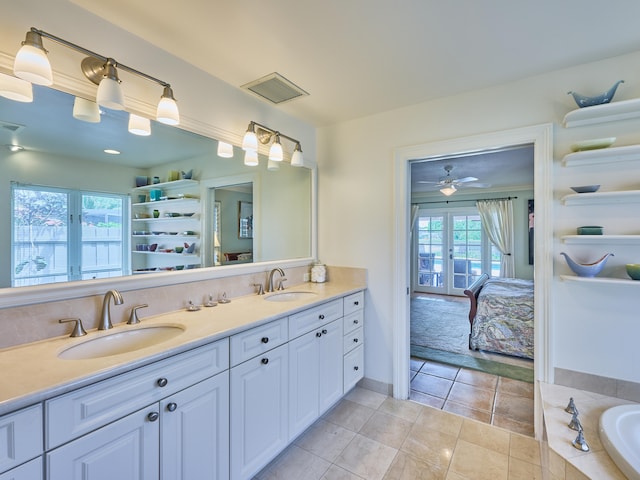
[(232, 213)]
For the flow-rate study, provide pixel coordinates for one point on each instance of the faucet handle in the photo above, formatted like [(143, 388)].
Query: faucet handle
[(78, 329), (260, 288), (133, 318), (280, 283)]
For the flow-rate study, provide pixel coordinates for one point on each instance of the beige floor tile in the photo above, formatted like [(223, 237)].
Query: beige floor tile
[(435, 386), (349, 415), (296, 463), (513, 407), (366, 457), (521, 470), (455, 476), (471, 396), (515, 387), (440, 370), (426, 399), (415, 364), (513, 425), (430, 446), (479, 463), (325, 439), (468, 412), (525, 448), (365, 397), (406, 467), (485, 436), (337, 473), (401, 408), (433, 419), (386, 429), (573, 473), (477, 379)]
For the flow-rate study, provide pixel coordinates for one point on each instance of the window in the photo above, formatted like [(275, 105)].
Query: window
[(60, 235)]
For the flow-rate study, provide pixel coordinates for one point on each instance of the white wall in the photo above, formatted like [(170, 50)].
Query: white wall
[(356, 194)]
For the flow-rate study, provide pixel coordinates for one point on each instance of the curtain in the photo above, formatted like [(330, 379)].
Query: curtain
[(497, 222)]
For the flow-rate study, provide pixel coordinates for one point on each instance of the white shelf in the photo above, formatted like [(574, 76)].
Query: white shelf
[(608, 112), (598, 239), (172, 201), (167, 219), (173, 254), (177, 235), (601, 280), (167, 185), (602, 155), (602, 198)]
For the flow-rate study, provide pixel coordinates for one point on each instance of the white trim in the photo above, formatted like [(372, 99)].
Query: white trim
[(541, 137)]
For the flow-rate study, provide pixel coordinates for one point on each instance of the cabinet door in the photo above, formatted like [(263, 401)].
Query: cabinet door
[(29, 471), (194, 432), (353, 367), (331, 365), (259, 404), (126, 450), (20, 436), (304, 382)]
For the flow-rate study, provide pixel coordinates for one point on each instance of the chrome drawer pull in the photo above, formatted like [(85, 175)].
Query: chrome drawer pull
[(265, 339), (162, 382), (172, 407), (265, 361), (153, 416)]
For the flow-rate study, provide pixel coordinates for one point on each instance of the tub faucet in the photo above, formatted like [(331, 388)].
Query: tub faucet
[(105, 317), (270, 287)]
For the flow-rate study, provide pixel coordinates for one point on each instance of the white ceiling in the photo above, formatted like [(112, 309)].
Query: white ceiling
[(361, 57)]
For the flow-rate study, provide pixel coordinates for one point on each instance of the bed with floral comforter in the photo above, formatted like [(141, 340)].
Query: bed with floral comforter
[(502, 316)]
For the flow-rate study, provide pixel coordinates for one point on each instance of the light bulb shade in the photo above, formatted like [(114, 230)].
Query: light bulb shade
[(31, 62), (225, 150), (15, 88), (275, 152), (297, 159), (251, 158), (167, 112), (250, 141), (139, 125), (86, 110), (450, 190), (110, 94), (273, 165)]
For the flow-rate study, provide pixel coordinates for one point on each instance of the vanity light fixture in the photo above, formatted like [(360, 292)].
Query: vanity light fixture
[(15, 88), (32, 64), (273, 165), (448, 191), (86, 110), (259, 133), (139, 125), (251, 158), (225, 150)]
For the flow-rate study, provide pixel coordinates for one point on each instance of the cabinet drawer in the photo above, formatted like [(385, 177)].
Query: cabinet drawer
[(353, 367), (248, 344), (29, 471), (304, 322), (76, 413), (353, 321), (353, 340), (20, 437), (353, 302)]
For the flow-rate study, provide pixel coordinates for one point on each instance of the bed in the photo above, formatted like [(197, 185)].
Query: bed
[(501, 315)]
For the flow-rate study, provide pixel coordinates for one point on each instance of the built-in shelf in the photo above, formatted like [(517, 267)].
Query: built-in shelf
[(599, 239), (166, 219), (608, 112), (602, 198), (171, 201), (162, 235), (602, 155), (167, 185), (174, 254), (601, 280)]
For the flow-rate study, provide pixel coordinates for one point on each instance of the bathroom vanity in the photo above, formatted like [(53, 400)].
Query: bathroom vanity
[(220, 400)]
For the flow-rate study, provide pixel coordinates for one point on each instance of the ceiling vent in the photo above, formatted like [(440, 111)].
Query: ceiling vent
[(11, 127), (275, 88)]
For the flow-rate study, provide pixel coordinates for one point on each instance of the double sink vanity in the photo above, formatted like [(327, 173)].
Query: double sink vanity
[(212, 393)]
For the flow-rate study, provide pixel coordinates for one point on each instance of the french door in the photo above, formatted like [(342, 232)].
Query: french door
[(450, 251)]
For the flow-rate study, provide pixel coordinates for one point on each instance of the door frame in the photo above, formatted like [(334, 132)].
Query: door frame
[(541, 137)]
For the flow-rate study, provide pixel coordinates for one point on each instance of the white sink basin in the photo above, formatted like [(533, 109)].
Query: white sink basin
[(121, 342), (289, 296), (620, 435)]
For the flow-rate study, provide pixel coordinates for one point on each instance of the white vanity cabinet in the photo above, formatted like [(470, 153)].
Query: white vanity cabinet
[(353, 346), (20, 441), (29, 471)]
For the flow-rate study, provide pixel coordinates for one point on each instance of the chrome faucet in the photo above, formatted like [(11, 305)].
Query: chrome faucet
[(105, 317), (270, 287)]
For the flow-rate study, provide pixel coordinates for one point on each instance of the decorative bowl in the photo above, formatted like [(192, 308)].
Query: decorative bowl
[(590, 269), (589, 230), (586, 188), (594, 144), (179, 249), (633, 270)]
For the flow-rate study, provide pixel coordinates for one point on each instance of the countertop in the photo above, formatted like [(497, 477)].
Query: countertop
[(33, 372)]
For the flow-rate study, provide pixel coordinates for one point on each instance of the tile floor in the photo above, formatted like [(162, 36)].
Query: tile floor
[(491, 399), (370, 436)]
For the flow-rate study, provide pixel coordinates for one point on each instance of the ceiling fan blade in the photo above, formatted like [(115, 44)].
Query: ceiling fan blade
[(466, 179), (427, 181), (476, 185)]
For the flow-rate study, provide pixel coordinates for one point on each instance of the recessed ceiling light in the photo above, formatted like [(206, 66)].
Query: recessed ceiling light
[(14, 148), (110, 151)]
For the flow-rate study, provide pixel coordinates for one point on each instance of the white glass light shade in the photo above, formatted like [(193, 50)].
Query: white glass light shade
[(110, 94), (273, 165), (86, 110), (275, 152), (225, 150), (31, 64), (448, 190), (139, 125), (15, 88), (297, 159), (251, 158), (167, 112), (250, 141)]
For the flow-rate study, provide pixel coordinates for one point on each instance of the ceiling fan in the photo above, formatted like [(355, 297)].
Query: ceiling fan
[(448, 184)]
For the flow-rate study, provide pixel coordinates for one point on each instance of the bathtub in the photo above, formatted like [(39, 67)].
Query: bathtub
[(620, 435)]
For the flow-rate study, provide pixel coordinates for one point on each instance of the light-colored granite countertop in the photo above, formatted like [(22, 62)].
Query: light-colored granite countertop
[(596, 463), (33, 372)]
